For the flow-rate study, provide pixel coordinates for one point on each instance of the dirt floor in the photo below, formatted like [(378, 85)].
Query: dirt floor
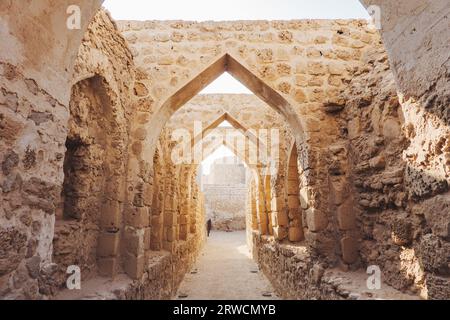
[(226, 271)]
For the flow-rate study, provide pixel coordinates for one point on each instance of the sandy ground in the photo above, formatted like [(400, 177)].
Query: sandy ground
[(226, 271)]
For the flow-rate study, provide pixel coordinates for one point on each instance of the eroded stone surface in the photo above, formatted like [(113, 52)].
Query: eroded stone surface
[(87, 177)]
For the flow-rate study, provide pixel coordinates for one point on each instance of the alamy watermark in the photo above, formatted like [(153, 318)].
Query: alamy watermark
[(74, 280), (375, 14), (374, 279), (73, 21)]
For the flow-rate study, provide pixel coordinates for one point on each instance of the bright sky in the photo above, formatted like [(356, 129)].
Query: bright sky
[(226, 84), (203, 10)]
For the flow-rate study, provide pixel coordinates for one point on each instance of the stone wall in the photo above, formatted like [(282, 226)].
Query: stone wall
[(74, 172), (297, 274), (225, 191), (415, 34), (86, 173), (392, 184)]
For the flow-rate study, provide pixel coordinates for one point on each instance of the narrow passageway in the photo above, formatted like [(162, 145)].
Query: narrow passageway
[(226, 271)]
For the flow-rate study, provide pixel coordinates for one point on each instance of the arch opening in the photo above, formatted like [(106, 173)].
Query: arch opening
[(225, 64), (88, 219)]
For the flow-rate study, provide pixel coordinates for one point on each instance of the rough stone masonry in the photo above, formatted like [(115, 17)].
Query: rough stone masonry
[(87, 178)]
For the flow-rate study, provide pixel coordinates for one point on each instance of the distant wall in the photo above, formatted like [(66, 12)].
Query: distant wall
[(225, 196)]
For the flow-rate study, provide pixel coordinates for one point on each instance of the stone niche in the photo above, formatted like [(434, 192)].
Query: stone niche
[(87, 220)]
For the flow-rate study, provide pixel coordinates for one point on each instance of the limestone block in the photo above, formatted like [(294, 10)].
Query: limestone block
[(284, 87), (10, 129), (316, 68), (345, 55), (295, 234), (183, 232), (293, 201), (280, 233), (433, 254), (295, 214), (285, 36), (170, 218), (349, 248), (437, 214), (305, 197), (169, 202), (313, 53), (184, 219), (315, 81), (14, 247), (339, 191), (391, 129), (107, 267), (354, 128), (401, 231), (321, 242), (156, 221), (134, 241), (293, 187), (108, 244), (346, 215), (110, 216), (147, 238), (115, 189), (335, 68), (148, 194), (278, 203), (170, 234), (265, 55), (316, 220), (134, 265), (140, 89), (438, 287), (341, 41), (316, 95), (301, 81), (321, 40), (301, 68), (169, 246), (284, 69), (138, 217), (300, 96), (282, 218), (378, 162), (166, 60), (335, 81)]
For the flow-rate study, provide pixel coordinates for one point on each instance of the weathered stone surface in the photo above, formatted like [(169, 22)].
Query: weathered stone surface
[(12, 249), (437, 215), (96, 140), (434, 254)]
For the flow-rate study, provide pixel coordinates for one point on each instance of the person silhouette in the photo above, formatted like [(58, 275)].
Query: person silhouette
[(209, 226)]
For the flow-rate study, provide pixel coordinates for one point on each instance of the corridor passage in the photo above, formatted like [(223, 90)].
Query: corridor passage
[(226, 271)]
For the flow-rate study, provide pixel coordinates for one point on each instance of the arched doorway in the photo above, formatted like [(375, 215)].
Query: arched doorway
[(88, 220)]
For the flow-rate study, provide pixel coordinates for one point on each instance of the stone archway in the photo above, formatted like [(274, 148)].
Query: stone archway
[(34, 110), (224, 64)]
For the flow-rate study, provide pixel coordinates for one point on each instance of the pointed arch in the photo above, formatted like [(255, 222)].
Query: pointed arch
[(225, 63), (235, 124)]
